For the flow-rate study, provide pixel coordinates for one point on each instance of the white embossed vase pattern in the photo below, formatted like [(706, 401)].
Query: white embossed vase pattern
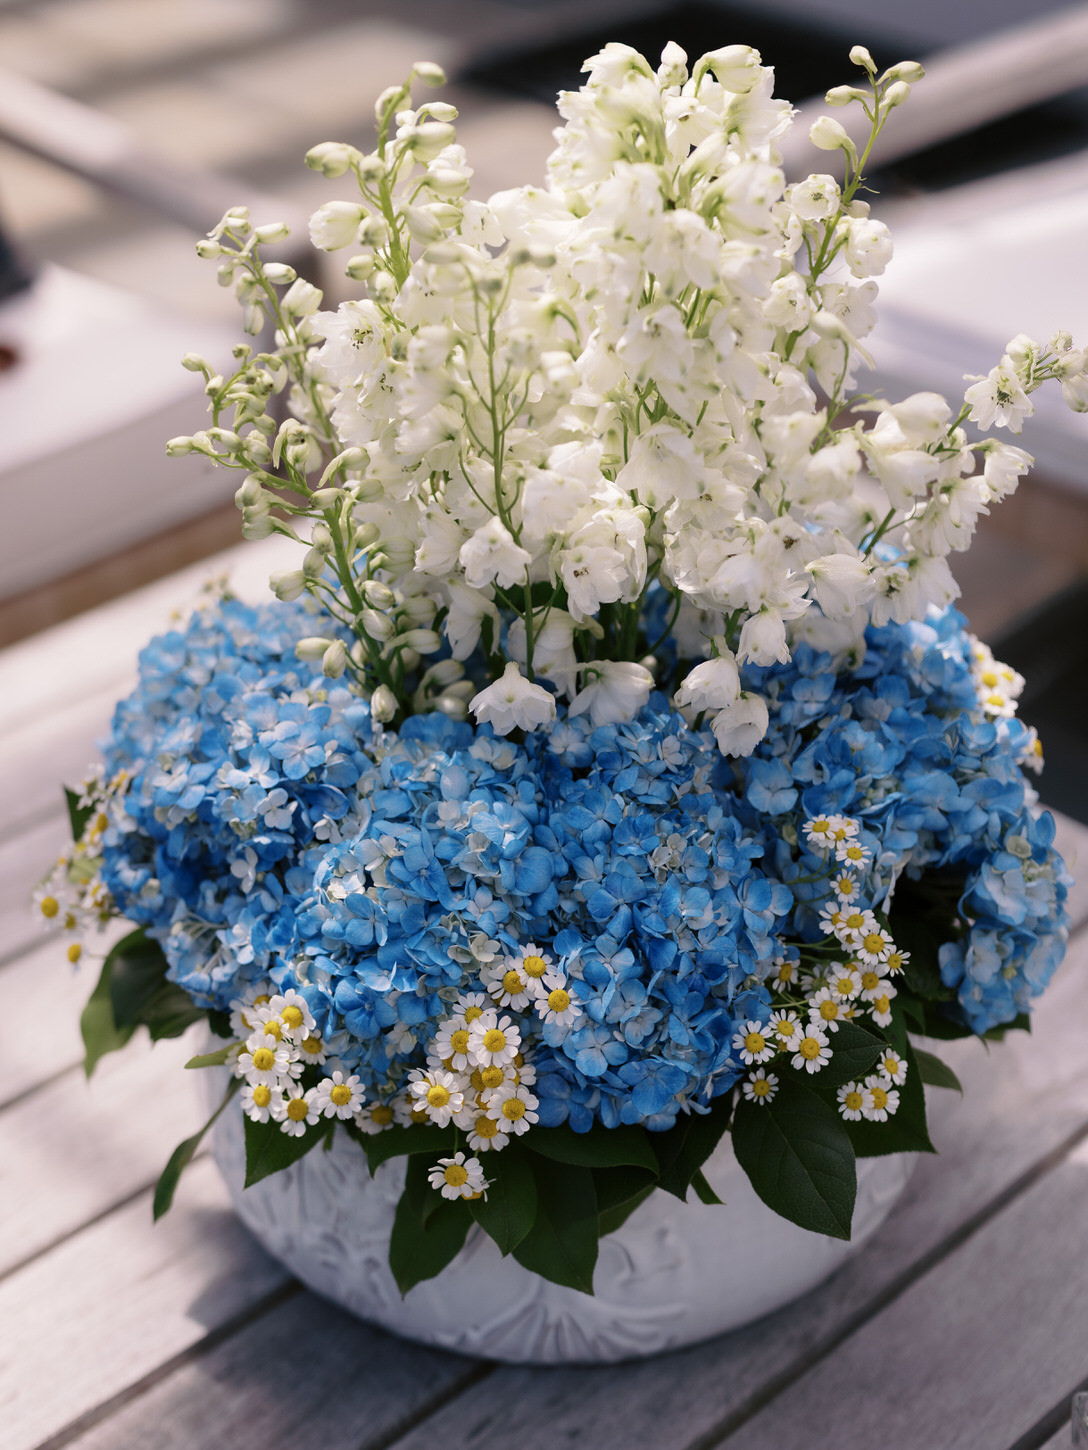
[(672, 1274)]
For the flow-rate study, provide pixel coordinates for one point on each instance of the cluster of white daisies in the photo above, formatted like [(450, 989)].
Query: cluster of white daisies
[(859, 984)]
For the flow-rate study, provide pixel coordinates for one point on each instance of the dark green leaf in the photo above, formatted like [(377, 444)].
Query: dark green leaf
[(508, 1210), (610, 1219), (182, 1156), (219, 1022), (601, 1147), (395, 1142), (799, 1158), (562, 1243), (214, 1059), (682, 1150), (853, 1052), (428, 1230), (141, 996), (78, 815), (616, 1186), (269, 1149), (100, 1033), (944, 1021), (906, 1130), (935, 1072), (703, 1190)]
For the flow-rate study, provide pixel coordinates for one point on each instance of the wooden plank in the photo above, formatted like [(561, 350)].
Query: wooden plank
[(118, 1301), (996, 1335), (1021, 1103), (50, 996), (75, 1149), (306, 1376), (52, 751), (24, 860)]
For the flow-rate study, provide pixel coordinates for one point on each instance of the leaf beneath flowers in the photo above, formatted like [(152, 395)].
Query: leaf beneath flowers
[(906, 1130), (182, 1156), (601, 1147), (935, 1072), (682, 1150), (428, 1230), (140, 994), (853, 1053), (799, 1158), (78, 815), (562, 1243), (269, 1149), (396, 1142), (507, 1212), (101, 1033)]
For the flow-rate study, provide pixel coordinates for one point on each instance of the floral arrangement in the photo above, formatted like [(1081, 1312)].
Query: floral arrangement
[(613, 772)]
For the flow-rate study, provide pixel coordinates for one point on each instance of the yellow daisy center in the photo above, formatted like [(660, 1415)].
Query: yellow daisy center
[(787, 1030), (559, 999), (512, 983), (853, 1102), (273, 1029), (292, 1016), (340, 1094), (755, 1042), (312, 1045), (382, 1114), (810, 1048), (459, 1041), (437, 1095), (264, 1059), (881, 1004), (49, 906), (874, 942), (513, 1109), (761, 1087), (471, 1013), (829, 1011), (894, 962), (821, 827), (989, 678), (494, 1040), (785, 972), (75, 951), (534, 966), (880, 1097), (262, 1095), (854, 920), (419, 1115), (298, 1110), (486, 1128), (891, 1066), (491, 1077), (869, 980), (456, 1175)]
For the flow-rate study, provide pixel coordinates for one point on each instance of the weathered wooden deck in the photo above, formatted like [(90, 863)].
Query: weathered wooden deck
[(962, 1326)]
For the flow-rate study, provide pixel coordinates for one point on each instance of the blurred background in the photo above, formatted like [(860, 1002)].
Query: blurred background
[(128, 126)]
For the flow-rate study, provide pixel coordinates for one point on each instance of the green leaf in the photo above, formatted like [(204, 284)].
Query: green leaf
[(141, 996), (610, 1219), (428, 1230), (601, 1147), (682, 1150), (617, 1186), (562, 1243), (703, 1190), (215, 1059), (269, 1149), (935, 1072), (182, 1156), (219, 1022), (853, 1052), (906, 1130), (395, 1142), (799, 1158), (100, 1032), (507, 1212), (78, 815)]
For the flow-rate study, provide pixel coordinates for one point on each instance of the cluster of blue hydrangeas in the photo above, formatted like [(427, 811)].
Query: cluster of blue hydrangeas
[(269, 833), (900, 743)]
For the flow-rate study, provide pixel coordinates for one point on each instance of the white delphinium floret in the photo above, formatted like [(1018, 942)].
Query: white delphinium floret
[(513, 703), (613, 691), (492, 555), (998, 400), (739, 727)]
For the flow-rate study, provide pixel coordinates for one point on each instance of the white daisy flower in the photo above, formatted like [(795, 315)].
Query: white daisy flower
[(785, 971), (881, 1005), (556, 1004), (787, 1027), (458, 1177), (533, 964), (873, 982), (374, 1118), (812, 1050), (297, 1111), (312, 1050), (488, 1135), (896, 961), (266, 1061), (826, 1009), (755, 1044), (471, 1005), (845, 887), (507, 986), (516, 1107), (874, 945), (290, 1007), (450, 1045), (844, 983), (493, 1040), (831, 918), (261, 1102), (893, 1067), (818, 832), (760, 1087), (439, 1093), (338, 1096), (881, 1099), (851, 1098), (243, 1018), (409, 1111), (851, 854)]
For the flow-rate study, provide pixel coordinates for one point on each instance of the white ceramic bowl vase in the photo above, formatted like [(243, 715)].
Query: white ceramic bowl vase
[(671, 1275)]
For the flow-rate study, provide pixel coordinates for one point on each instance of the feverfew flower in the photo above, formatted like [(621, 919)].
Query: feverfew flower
[(338, 1096), (812, 1050), (458, 1177), (756, 1043), (515, 1107), (879, 1100), (493, 1041), (760, 1087), (437, 1093)]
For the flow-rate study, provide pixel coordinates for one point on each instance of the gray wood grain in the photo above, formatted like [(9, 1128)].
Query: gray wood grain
[(24, 861), (1021, 1102), (75, 1149), (117, 1301), (305, 1376), (51, 995)]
